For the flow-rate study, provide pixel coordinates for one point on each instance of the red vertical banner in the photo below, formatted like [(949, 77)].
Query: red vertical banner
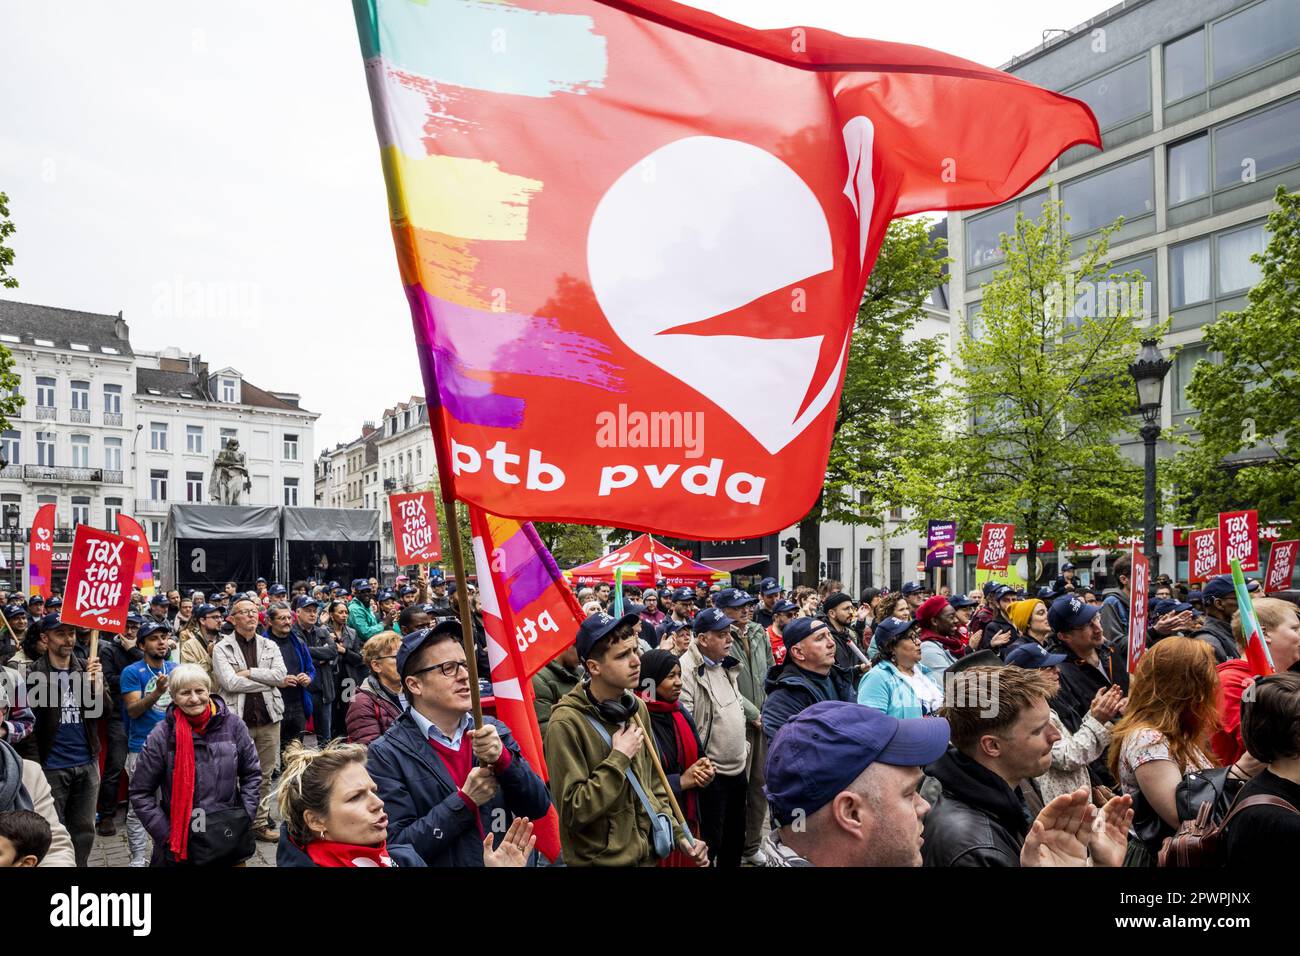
[(1239, 539), (1281, 565), (995, 547), (40, 551), (1203, 555), (1137, 608), (98, 595), (415, 527), (130, 529)]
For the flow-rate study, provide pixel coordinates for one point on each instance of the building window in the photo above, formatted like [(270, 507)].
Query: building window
[(984, 232), (228, 391), (1119, 95), (1237, 272), (113, 454), (1184, 366), (1095, 201), (227, 435), (895, 569), (194, 439), (1189, 169), (834, 562), (1189, 272), (1185, 67), (44, 391), (112, 508), (81, 396), (80, 510), (158, 436), (11, 446), (194, 486), (113, 399), (1258, 145), (157, 485), (866, 569), (80, 451), (1112, 297), (291, 492), (290, 447), (155, 532), (1254, 36), (45, 449), (419, 461)]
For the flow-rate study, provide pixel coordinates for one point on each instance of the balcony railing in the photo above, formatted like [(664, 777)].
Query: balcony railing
[(79, 416), (46, 412), (72, 475), (112, 418), (11, 471)]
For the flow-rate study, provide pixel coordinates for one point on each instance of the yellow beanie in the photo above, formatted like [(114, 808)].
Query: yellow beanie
[(1021, 612)]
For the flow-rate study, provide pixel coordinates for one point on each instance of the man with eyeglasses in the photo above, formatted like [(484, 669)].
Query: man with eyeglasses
[(197, 648), (447, 788), (249, 671)]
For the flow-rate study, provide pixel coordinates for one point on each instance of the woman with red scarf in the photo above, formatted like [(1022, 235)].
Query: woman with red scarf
[(676, 740), (333, 815), (198, 757)]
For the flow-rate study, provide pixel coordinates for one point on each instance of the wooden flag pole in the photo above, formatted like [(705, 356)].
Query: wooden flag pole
[(663, 777), (94, 645), (462, 596), (10, 628)]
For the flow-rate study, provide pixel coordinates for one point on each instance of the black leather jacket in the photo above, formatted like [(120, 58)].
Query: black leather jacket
[(978, 819)]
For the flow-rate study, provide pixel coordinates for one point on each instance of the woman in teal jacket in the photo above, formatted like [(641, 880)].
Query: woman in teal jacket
[(899, 684)]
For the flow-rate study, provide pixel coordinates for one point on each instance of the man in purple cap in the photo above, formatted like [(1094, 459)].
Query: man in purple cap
[(843, 782)]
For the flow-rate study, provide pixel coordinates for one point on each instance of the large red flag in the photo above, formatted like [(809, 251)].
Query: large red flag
[(634, 237), (40, 550), (530, 615), (129, 528)]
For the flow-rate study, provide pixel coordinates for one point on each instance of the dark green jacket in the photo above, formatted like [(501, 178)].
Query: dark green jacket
[(550, 684)]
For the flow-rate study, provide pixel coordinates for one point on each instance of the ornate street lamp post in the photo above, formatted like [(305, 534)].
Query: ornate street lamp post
[(1149, 375)]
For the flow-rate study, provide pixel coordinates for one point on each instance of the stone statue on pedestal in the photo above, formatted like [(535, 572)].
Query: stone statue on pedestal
[(229, 476)]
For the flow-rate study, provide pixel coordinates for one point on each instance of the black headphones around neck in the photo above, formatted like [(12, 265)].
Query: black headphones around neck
[(617, 711)]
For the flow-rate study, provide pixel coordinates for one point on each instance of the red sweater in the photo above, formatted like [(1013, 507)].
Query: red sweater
[(1233, 678)]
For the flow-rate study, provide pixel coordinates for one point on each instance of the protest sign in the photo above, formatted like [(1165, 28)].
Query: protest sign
[(995, 547), (1137, 609), (98, 595), (415, 527), (1239, 539)]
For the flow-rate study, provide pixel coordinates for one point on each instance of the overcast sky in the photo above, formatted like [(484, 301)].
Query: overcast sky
[(211, 171)]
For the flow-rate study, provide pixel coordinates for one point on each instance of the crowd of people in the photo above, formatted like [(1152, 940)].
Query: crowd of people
[(692, 726)]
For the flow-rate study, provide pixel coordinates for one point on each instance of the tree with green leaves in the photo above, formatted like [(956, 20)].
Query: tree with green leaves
[(1243, 450), (9, 381), (1044, 390), (891, 405), (570, 544)]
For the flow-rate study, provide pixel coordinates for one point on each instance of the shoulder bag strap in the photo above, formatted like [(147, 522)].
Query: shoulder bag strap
[(636, 785), (1259, 800)]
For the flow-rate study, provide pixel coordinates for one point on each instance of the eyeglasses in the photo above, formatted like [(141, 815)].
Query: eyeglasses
[(448, 668)]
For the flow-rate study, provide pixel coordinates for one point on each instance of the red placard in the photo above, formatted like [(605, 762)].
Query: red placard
[(995, 546), (1202, 554), (1137, 609), (1281, 565), (415, 527), (1239, 538), (98, 595)]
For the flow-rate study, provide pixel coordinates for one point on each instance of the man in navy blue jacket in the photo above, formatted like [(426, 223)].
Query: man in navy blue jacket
[(442, 781)]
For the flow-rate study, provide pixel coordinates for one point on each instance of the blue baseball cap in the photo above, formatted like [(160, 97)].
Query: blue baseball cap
[(49, 622), (416, 639), (1219, 586), (769, 586), (1253, 585), (784, 607), (385, 595), (203, 610), (801, 628), (158, 599), (1195, 597), (405, 590), (1046, 593), (15, 610), (828, 745), (912, 587), (989, 585), (136, 619), (1067, 566), (960, 601), (1031, 655), (151, 627), (596, 627), (54, 602), (1070, 611), (1003, 590), (733, 597), (711, 619), (890, 630), (303, 601), (278, 589), (683, 594)]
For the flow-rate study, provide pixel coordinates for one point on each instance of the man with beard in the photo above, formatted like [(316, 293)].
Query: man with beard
[(197, 648), (838, 614)]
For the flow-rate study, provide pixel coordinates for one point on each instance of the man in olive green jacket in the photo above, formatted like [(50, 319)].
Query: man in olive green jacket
[(752, 648), (602, 820), (552, 682)]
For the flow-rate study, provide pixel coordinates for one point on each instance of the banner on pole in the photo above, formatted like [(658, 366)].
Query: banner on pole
[(940, 544), (1281, 565), (130, 529), (995, 547), (1137, 608), (40, 550), (1203, 560), (415, 527), (1239, 539), (98, 595)]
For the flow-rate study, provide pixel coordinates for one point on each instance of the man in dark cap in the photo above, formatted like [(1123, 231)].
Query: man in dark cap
[(838, 613), (843, 782), (1220, 601), (769, 591), (683, 610), (361, 618), (808, 676), (447, 787)]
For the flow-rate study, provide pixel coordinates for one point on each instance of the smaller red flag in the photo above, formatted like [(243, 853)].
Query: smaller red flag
[(40, 551)]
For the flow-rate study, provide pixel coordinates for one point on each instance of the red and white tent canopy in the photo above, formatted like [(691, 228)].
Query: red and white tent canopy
[(656, 562)]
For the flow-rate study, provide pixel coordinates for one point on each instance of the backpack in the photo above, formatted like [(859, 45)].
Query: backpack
[(1199, 842)]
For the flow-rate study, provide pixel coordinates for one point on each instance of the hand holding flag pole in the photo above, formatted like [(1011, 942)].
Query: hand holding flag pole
[(462, 599)]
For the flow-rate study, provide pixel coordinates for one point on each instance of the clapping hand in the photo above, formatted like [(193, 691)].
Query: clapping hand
[(1109, 839), (516, 846), (1061, 834)]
